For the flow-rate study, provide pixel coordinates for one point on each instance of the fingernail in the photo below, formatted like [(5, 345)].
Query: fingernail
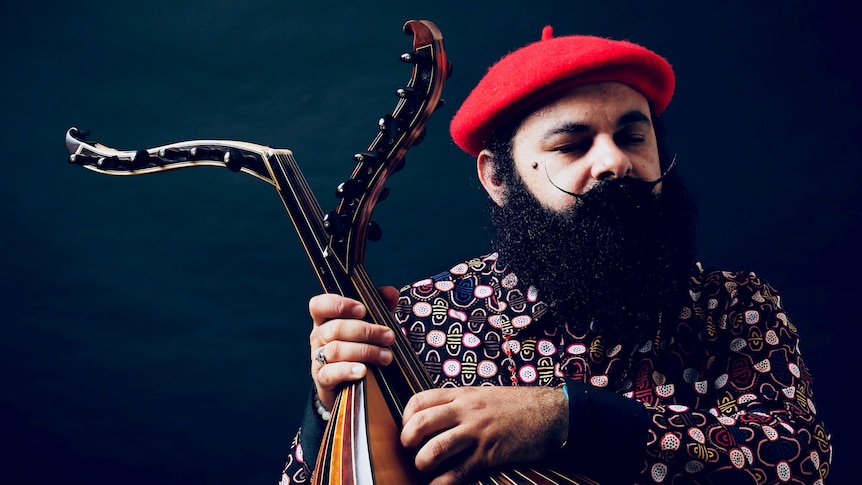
[(385, 356), (357, 370), (358, 311)]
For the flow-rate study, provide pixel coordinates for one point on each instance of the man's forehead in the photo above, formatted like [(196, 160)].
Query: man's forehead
[(612, 102)]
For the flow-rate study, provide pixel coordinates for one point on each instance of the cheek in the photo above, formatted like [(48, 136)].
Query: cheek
[(645, 164), (528, 168), (646, 169), (562, 203), (649, 164), (571, 177), (548, 187)]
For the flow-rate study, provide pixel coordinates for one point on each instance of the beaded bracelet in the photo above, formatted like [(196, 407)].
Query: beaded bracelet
[(319, 407)]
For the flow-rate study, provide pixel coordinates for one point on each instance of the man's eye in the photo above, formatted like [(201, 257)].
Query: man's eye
[(573, 148), (631, 139)]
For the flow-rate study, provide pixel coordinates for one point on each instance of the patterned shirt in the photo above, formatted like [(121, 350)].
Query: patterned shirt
[(719, 395)]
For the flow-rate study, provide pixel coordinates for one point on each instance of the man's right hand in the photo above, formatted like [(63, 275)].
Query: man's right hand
[(341, 343)]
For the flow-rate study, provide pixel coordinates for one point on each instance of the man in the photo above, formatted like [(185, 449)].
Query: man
[(589, 338)]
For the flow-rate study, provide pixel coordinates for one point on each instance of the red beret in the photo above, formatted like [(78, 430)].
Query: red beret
[(524, 76)]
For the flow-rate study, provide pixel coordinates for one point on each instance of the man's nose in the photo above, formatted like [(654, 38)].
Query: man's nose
[(610, 161)]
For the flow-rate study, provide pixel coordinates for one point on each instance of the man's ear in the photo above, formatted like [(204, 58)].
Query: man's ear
[(486, 167)]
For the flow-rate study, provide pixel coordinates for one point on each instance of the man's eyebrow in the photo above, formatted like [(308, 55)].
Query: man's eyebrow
[(633, 117), (568, 128), (629, 118)]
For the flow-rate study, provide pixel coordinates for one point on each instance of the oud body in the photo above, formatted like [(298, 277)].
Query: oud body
[(361, 442)]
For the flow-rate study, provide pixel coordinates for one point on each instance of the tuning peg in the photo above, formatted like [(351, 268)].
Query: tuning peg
[(374, 232), (414, 57), (141, 159), (334, 224), (366, 157), (202, 153), (347, 189), (384, 121), (81, 159), (449, 67), (234, 160), (173, 153), (384, 193), (440, 104), (407, 93), (388, 125), (105, 163)]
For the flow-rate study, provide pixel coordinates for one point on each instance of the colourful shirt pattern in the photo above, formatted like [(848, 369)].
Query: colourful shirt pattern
[(728, 396)]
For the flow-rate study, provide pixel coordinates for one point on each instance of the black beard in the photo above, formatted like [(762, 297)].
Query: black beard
[(619, 254)]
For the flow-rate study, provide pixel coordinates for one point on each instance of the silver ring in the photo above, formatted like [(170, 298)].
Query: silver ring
[(320, 358)]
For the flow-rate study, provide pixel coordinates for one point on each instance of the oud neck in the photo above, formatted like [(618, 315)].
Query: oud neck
[(307, 217), (405, 376)]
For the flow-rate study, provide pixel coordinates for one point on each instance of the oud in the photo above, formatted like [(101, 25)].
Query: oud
[(361, 441)]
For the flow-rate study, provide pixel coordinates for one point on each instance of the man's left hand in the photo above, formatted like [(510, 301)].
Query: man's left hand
[(461, 432)]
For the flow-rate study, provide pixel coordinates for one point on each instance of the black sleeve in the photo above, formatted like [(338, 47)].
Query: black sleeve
[(607, 434), (312, 431)]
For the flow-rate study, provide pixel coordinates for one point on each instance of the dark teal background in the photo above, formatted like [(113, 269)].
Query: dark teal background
[(154, 329)]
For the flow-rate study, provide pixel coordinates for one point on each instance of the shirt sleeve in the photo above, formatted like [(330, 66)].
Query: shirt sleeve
[(757, 422), (753, 422)]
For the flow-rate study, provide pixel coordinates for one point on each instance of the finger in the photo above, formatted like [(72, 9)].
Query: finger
[(332, 376), (320, 356), (341, 351), (444, 447), (390, 295), (431, 413), (328, 306), (457, 474), (425, 400), (358, 331)]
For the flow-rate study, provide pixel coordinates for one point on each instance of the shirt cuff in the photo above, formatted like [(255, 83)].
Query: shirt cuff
[(607, 433), (311, 433)]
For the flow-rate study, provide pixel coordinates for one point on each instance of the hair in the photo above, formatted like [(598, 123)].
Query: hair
[(500, 144)]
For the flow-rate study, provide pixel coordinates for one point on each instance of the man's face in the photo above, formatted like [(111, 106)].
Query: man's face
[(593, 132), (622, 248)]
